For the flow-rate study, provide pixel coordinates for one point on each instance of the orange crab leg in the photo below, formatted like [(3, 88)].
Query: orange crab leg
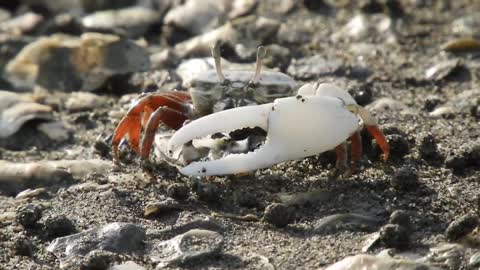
[(180, 96), (166, 115), (341, 151), (381, 140), (356, 148), (131, 123)]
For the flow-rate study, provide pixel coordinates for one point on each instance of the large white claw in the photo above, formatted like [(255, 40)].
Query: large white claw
[(297, 127), (224, 121)]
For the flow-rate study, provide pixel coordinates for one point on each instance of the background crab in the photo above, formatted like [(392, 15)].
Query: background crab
[(210, 91)]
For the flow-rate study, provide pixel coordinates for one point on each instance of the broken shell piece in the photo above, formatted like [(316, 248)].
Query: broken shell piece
[(190, 245), (84, 101), (444, 69), (462, 45), (7, 217), (69, 63), (161, 208), (55, 131), (133, 20), (251, 29), (364, 261), (364, 26), (15, 177), (21, 24), (16, 110), (120, 238), (197, 16), (29, 193)]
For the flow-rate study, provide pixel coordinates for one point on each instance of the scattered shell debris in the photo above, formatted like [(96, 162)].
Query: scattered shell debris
[(66, 63), (16, 109)]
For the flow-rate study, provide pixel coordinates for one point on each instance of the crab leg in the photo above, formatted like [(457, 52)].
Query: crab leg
[(261, 54), (166, 115), (131, 123), (372, 127), (381, 140), (341, 151), (218, 65), (356, 148)]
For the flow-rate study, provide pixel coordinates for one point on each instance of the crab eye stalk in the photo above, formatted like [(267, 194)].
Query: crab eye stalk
[(261, 54), (218, 65)]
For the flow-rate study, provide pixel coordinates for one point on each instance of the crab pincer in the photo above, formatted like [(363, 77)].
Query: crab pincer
[(319, 119)]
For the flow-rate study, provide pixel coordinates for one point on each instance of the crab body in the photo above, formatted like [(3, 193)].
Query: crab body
[(209, 91), (319, 118), (209, 96)]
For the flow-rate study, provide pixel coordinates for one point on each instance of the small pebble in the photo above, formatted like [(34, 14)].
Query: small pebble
[(431, 102), (394, 236), (461, 226), (194, 244), (405, 179), (102, 147), (428, 146), (246, 198), (371, 6), (363, 95), (98, 260), (401, 217), (278, 214), (399, 146), (23, 247), (316, 5), (58, 226), (206, 191), (28, 215), (465, 156), (348, 221), (178, 191)]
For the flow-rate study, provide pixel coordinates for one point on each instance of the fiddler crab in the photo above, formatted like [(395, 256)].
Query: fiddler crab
[(320, 117)]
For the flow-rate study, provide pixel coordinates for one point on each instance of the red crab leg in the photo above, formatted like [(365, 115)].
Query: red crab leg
[(131, 123), (341, 151), (381, 140), (166, 115), (356, 147)]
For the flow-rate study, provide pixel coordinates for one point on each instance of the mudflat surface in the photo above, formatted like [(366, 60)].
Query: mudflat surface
[(433, 173)]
